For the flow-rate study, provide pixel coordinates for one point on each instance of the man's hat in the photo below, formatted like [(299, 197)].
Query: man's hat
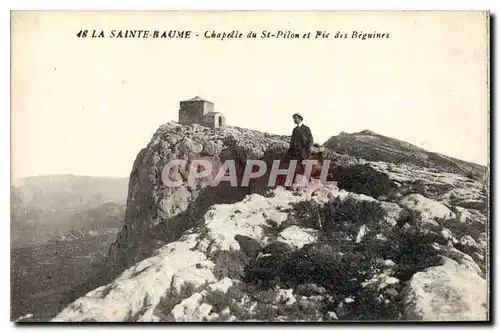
[(299, 115)]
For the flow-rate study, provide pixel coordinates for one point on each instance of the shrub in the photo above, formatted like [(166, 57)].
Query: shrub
[(229, 264), (364, 179), (473, 229), (296, 312), (218, 299), (370, 305), (249, 246), (316, 265), (340, 265), (412, 251), (345, 220), (267, 268), (231, 299), (409, 216), (309, 289), (470, 174), (172, 298), (305, 214), (265, 311)]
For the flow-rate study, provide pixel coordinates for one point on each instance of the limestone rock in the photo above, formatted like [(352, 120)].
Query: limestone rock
[(187, 309), (361, 233), (285, 296), (297, 237), (449, 292), (468, 241), (463, 215), (143, 284), (276, 217), (222, 285), (389, 262), (428, 208), (174, 235), (151, 203), (393, 211), (195, 276), (459, 257), (332, 315), (381, 281)]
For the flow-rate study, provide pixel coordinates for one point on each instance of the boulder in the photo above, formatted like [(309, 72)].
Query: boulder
[(447, 235), (463, 215), (450, 292), (285, 296), (428, 208), (194, 276), (393, 211), (138, 290), (186, 310), (297, 237), (459, 257), (361, 233), (380, 281), (468, 241), (222, 285), (276, 217)]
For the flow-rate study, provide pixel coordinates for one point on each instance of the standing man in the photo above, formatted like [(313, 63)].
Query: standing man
[(301, 142)]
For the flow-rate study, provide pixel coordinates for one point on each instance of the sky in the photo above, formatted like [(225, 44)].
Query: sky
[(87, 106)]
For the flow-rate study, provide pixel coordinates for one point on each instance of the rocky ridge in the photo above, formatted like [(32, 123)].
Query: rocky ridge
[(372, 146), (392, 241)]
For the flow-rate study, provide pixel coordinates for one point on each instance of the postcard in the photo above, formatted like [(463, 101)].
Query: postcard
[(250, 166)]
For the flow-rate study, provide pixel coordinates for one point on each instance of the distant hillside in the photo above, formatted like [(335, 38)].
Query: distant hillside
[(109, 215), (43, 207), (42, 276), (70, 192), (374, 147)]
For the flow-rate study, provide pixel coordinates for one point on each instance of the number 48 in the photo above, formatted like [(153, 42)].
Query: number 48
[(82, 34)]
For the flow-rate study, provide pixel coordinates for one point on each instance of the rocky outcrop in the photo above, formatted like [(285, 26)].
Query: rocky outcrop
[(152, 206), (427, 208), (376, 246), (184, 261), (449, 292), (152, 290), (374, 147), (297, 237)]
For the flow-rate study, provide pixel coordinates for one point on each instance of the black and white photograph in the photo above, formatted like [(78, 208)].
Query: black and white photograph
[(250, 166)]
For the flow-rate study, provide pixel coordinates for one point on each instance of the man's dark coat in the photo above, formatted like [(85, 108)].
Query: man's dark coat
[(301, 142)]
